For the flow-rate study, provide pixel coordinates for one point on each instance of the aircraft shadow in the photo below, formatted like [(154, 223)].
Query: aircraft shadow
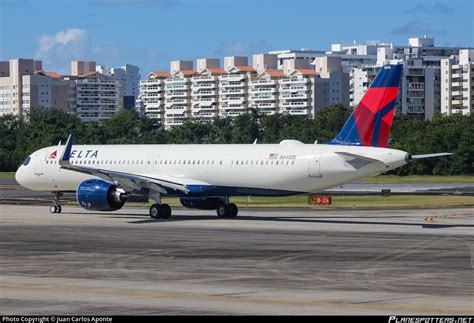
[(321, 220), (326, 220)]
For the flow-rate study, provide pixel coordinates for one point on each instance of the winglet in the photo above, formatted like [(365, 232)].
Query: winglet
[(66, 154)]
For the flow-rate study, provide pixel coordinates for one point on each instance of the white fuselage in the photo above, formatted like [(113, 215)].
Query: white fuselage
[(240, 169)]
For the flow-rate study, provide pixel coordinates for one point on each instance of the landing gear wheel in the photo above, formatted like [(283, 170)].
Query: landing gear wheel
[(55, 208), (164, 211), (154, 211), (234, 210), (158, 211), (223, 210)]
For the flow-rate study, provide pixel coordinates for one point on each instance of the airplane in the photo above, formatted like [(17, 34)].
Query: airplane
[(206, 176)]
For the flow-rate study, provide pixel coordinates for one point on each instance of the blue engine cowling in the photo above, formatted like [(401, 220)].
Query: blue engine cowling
[(201, 203), (100, 195)]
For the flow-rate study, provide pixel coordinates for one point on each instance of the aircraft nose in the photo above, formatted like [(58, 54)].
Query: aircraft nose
[(18, 175)]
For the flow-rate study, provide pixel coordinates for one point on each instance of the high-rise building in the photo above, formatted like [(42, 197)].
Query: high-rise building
[(264, 91), (205, 89), (152, 95), (82, 67), (23, 85), (332, 83), (94, 96), (130, 77), (178, 93), (457, 83), (420, 87), (233, 86)]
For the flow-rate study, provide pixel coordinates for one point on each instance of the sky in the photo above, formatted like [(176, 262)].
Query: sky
[(150, 33)]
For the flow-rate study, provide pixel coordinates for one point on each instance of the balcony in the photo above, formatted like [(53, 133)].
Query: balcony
[(204, 93), (231, 85), (237, 92), (297, 112), (203, 86), (262, 90), (264, 106), (263, 98), (293, 80), (263, 82), (232, 77), (295, 96), (295, 104)]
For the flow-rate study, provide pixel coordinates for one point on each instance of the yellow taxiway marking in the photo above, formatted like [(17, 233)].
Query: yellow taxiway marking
[(438, 218), (122, 292)]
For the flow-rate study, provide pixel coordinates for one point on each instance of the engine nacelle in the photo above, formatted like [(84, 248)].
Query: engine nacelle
[(201, 203), (100, 195)]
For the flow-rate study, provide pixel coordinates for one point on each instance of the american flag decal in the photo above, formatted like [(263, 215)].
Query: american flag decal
[(273, 156)]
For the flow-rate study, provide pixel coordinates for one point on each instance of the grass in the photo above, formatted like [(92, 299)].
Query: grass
[(394, 201), (425, 179), (4, 175)]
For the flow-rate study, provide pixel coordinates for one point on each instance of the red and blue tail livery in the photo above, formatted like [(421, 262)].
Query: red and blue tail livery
[(370, 123)]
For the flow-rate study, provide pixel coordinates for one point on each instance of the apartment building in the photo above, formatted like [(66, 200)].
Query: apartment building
[(457, 83), (44, 90), (152, 95), (297, 88), (205, 89), (230, 91), (264, 91), (332, 83), (94, 96), (420, 88), (12, 73), (178, 93), (233, 86), (130, 77)]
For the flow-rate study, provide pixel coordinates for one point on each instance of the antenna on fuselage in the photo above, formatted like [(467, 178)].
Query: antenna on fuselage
[(255, 141)]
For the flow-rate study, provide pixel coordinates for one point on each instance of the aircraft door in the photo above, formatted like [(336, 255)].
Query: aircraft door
[(39, 164), (314, 169)]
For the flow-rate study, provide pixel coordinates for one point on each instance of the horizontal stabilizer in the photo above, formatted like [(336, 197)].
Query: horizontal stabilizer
[(357, 161), (414, 157)]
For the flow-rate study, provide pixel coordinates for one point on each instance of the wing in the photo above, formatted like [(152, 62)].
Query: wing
[(130, 182)]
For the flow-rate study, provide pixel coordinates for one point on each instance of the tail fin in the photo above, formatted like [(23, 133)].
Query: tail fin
[(370, 123)]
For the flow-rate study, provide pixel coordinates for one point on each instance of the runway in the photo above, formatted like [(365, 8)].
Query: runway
[(267, 261)]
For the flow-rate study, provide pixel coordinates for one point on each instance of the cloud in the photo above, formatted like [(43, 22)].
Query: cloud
[(432, 7), (373, 42), (243, 48), (59, 49), (417, 28)]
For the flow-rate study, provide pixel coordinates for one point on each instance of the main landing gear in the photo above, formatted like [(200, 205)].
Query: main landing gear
[(160, 211), (229, 210), (56, 207)]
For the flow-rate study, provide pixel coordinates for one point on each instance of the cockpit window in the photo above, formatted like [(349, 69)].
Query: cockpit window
[(27, 161)]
